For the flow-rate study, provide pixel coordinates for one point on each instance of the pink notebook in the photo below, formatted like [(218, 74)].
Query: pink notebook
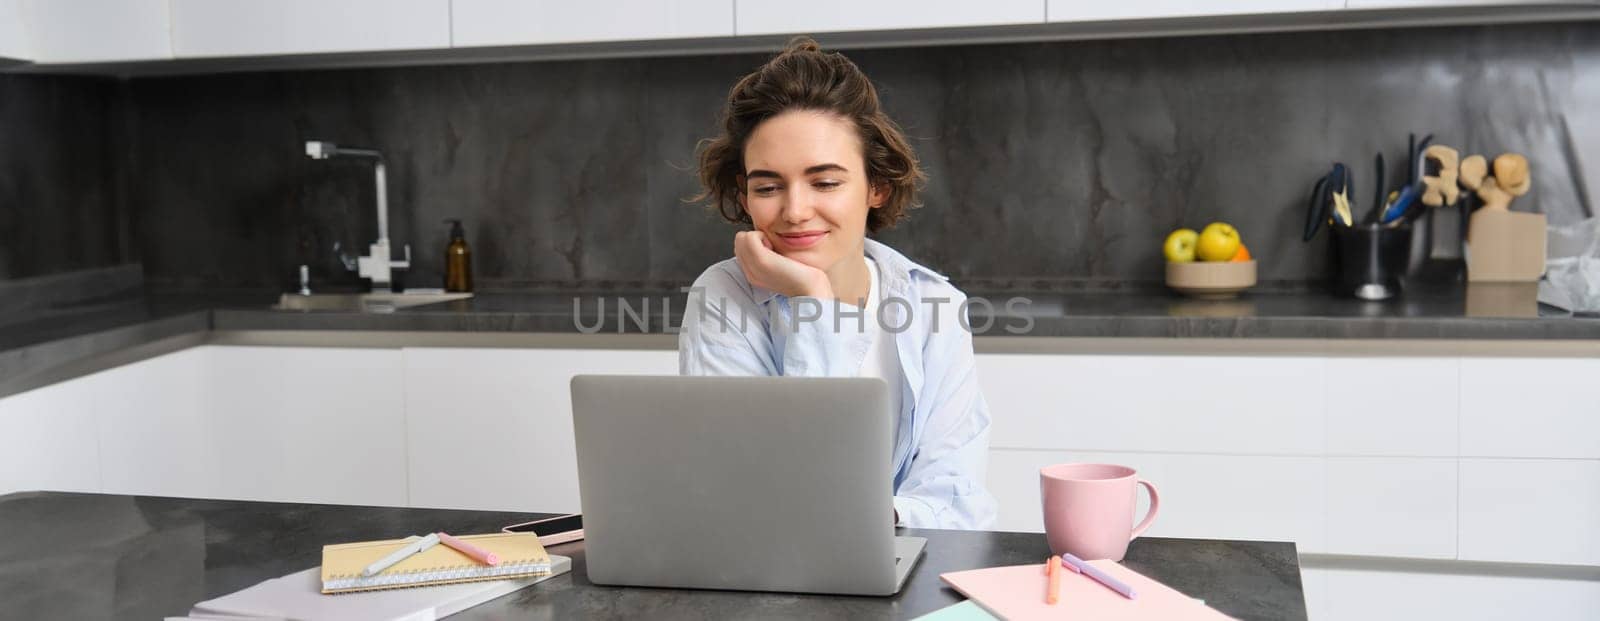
[(1017, 593)]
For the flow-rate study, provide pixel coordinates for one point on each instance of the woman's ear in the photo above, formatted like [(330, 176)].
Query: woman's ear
[(878, 195)]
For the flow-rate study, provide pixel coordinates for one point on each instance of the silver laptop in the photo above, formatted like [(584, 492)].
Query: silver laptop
[(747, 483)]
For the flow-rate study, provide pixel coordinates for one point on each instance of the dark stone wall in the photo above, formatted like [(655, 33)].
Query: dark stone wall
[(59, 179), (1052, 165)]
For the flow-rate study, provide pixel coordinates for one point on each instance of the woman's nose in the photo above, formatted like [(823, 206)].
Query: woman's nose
[(797, 206)]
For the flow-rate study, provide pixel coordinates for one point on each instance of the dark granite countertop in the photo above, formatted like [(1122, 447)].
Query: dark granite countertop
[(93, 556), (1478, 313)]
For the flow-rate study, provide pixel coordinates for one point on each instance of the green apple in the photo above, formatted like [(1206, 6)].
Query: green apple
[(1180, 245)]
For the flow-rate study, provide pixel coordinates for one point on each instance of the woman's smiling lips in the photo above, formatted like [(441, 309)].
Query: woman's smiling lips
[(802, 239)]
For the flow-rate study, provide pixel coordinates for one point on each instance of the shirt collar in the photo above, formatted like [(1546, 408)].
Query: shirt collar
[(893, 267)]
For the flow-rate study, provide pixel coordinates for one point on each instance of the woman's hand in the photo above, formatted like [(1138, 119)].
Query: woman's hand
[(766, 268)]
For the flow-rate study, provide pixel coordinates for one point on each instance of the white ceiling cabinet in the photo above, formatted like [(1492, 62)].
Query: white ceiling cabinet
[(13, 35), (88, 31), (475, 23), (1080, 11), (754, 17), (210, 28)]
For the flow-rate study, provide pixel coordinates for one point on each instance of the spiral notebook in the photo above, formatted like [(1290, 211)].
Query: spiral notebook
[(520, 554)]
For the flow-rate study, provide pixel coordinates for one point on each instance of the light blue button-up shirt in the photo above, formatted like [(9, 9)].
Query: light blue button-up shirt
[(942, 430)]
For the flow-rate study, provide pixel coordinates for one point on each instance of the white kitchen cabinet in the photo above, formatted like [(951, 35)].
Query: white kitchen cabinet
[(1079, 11), (1392, 506), (307, 424), (154, 429), (1195, 404), (756, 17), (87, 31), (1530, 511), (1530, 407), (1407, 4), (209, 28), (1413, 416), (49, 441), (1347, 594), (533, 22), (492, 428)]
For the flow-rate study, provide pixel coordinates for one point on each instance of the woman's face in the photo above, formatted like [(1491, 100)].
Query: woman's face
[(805, 187)]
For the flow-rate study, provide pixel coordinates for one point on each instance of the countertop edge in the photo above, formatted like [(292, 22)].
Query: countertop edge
[(41, 364)]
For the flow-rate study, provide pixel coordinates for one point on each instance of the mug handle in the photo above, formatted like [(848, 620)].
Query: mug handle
[(1149, 516)]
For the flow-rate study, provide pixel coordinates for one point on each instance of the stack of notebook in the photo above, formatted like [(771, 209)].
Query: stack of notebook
[(337, 590), (520, 554)]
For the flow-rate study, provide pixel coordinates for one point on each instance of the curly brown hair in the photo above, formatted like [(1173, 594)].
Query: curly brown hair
[(803, 77)]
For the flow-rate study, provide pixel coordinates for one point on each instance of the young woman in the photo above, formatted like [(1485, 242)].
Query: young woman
[(808, 160)]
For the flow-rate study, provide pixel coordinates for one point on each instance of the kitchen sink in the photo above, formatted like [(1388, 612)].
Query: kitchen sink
[(376, 302)]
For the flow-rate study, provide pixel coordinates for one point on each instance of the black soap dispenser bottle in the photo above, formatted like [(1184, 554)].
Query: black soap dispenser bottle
[(457, 260)]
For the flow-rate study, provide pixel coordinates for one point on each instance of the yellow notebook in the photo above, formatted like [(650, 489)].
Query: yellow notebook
[(520, 554)]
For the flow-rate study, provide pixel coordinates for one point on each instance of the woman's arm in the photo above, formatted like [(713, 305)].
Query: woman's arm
[(945, 487), (726, 331)]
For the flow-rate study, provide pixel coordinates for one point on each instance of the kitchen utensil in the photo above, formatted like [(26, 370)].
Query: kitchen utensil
[(1402, 204), (1374, 213), (1316, 208), (1341, 196), (1510, 179), (1330, 201)]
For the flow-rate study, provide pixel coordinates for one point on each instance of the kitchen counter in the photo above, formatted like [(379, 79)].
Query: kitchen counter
[(92, 556), (26, 349)]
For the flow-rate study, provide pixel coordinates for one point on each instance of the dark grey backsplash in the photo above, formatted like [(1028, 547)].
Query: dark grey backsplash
[(1051, 165), (59, 208)]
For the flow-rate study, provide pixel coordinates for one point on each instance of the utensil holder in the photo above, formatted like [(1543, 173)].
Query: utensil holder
[(1371, 258)]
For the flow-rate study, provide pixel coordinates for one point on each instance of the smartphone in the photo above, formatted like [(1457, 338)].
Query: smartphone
[(552, 531)]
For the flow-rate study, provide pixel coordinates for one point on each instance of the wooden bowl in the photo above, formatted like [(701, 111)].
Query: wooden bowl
[(1211, 280)]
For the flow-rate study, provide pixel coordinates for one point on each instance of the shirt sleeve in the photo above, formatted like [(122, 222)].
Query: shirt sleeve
[(725, 332), (945, 487)]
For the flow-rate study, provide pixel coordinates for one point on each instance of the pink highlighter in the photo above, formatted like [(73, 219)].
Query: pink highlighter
[(481, 555)]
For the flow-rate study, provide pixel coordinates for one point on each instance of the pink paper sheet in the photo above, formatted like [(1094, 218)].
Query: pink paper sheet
[(1017, 593)]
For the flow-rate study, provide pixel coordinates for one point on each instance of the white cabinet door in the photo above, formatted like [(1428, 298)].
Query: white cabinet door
[(1346, 594), (1406, 4), (1416, 416), (49, 440), (755, 17), (84, 31), (1530, 511), (204, 28), (13, 31), (1530, 407), (155, 430), (533, 22), (307, 424), (1080, 11), (1203, 404), (1391, 506), (492, 428)]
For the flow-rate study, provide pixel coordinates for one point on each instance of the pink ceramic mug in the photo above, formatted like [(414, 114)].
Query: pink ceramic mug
[(1088, 509)]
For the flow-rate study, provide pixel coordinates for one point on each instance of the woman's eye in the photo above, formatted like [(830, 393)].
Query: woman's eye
[(826, 185), (764, 190)]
